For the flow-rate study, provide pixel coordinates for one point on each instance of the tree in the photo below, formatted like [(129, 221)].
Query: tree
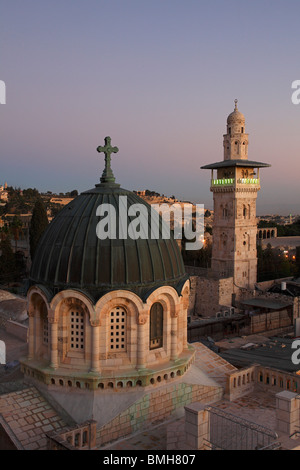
[(16, 229), (38, 225), (272, 264), (200, 258), (7, 261), (208, 229)]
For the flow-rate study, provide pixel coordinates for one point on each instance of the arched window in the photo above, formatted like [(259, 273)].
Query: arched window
[(156, 326), (77, 330), (225, 212), (117, 329)]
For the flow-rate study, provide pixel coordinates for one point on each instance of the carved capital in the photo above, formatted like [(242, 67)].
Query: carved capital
[(175, 312), (142, 319)]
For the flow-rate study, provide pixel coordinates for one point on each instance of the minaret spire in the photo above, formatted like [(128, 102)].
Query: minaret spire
[(235, 142)]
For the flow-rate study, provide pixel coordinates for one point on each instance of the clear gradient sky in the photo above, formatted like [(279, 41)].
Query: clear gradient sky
[(158, 76)]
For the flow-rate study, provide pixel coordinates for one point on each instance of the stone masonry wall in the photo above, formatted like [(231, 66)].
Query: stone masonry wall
[(207, 295), (270, 321), (154, 407)]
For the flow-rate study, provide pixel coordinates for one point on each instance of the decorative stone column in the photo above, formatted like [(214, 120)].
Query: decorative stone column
[(54, 342), (31, 334), (95, 345), (174, 332), (141, 340), (184, 315), (38, 333)]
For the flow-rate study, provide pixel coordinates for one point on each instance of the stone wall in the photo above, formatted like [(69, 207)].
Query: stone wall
[(240, 382), (207, 295), (218, 328), (259, 378), (154, 407), (275, 320), (80, 437)]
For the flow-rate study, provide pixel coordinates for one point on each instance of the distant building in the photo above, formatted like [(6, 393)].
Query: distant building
[(63, 201), (3, 193)]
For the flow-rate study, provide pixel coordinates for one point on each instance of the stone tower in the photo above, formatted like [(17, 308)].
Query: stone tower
[(235, 186)]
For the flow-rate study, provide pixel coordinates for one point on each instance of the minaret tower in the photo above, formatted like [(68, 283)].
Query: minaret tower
[(235, 186)]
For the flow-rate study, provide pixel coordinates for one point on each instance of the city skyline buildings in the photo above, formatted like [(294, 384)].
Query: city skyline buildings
[(160, 78)]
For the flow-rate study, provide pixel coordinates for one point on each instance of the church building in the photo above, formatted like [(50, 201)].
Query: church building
[(108, 318), (108, 350)]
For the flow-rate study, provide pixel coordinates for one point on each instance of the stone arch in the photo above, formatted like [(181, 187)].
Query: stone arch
[(167, 295), (135, 315), (174, 322), (35, 297), (60, 301), (156, 330), (185, 293), (63, 305), (38, 311), (127, 299)]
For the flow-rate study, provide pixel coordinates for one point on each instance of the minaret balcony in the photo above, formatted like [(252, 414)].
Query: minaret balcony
[(248, 181), (231, 183), (223, 182)]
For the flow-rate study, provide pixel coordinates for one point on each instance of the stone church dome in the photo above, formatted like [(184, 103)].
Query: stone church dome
[(106, 312), (70, 255)]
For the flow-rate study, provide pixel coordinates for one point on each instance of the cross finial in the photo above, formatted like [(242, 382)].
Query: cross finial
[(235, 104), (107, 175)]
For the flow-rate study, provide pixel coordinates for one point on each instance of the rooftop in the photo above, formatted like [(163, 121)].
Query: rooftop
[(275, 352), (235, 163), (272, 304)]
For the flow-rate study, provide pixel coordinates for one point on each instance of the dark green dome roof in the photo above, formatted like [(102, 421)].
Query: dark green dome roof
[(70, 255)]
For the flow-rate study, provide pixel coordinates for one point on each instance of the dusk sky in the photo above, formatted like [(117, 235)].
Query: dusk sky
[(158, 76)]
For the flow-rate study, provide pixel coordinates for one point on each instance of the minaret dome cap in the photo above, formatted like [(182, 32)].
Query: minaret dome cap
[(236, 116)]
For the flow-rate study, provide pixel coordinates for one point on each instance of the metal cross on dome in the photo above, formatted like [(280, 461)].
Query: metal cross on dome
[(107, 175)]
